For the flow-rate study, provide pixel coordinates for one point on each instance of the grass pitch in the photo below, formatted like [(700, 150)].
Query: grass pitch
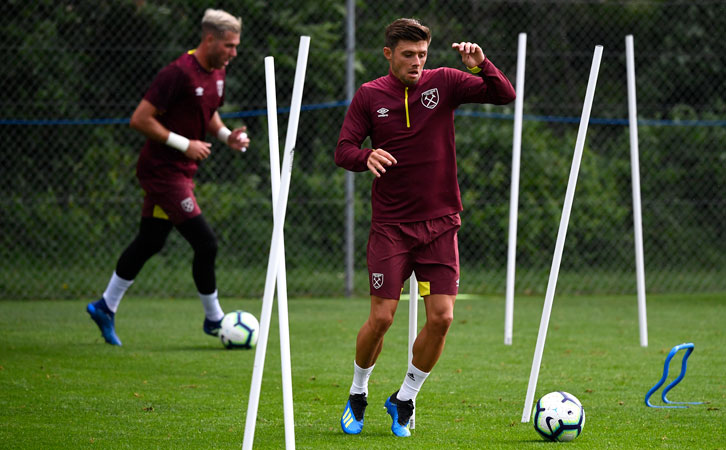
[(171, 386)]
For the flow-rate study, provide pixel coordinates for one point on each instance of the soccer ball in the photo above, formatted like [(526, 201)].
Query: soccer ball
[(239, 330), (559, 416)]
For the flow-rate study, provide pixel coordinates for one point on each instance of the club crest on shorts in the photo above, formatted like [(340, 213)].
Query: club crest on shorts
[(220, 87), (187, 204), (377, 280), (430, 98)]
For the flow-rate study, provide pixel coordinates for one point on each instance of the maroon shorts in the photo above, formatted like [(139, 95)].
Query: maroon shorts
[(175, 203), (429, 248)]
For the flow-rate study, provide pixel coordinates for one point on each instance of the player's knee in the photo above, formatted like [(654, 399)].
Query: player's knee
[(209, 245), (200, 236), (380, 322), (148, 246), (440, 322), (206, 247)]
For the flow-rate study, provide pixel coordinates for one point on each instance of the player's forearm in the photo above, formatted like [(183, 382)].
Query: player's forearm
[(351, 157), (150, 127), (145, 122), (215, 124), (218, 129), (499, 89), (348, 153)]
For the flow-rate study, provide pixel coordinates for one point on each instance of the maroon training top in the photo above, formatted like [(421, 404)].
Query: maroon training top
[(416, 125), (187, 96)]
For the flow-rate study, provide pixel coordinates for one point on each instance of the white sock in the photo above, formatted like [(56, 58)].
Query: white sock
[(412, 383), (115, 291), (210, 303), (360, 379)]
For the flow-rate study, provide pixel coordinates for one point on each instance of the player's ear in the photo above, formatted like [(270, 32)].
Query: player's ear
[(388, 53), (209, 38)]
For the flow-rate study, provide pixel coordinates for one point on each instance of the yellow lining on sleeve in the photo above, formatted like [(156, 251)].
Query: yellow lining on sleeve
[(475, 69), (408, 122)]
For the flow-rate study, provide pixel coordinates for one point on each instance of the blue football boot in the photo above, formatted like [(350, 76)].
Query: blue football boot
[(401, 412), (355, 409), (212, 327), (104, 318)]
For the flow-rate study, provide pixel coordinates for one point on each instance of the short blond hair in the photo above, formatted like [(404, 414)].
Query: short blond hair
[(219, 22)]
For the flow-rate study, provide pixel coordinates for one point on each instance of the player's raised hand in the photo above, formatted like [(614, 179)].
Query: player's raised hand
[(198, 150), (238, 140), (471, 54), (378, 160)]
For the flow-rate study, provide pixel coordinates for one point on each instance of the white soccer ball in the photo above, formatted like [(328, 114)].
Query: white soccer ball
[(240, 329), (559, 416)]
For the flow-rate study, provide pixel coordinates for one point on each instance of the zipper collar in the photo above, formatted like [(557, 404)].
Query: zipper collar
[(399, 84)]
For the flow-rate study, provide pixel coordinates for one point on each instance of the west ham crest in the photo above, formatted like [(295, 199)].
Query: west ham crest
[(430, 98), (187, 204), (377, 279), (220, 87)]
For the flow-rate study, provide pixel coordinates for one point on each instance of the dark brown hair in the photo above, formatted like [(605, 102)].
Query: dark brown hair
[(406, 30)]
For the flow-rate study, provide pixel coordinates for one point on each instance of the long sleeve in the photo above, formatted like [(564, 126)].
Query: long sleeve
[(356, 127), (499, 89), (489, 85), (415, 124)]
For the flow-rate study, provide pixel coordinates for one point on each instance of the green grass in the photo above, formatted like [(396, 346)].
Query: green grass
[(170, 386)]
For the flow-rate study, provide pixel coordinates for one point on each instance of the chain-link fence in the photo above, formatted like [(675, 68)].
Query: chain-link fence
[(75, 70)]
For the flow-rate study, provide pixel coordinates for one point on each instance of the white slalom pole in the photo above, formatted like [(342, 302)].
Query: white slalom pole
[(272, 264), (560, 244), (514, 193), (412, 329), (635, 171), (281, 272)]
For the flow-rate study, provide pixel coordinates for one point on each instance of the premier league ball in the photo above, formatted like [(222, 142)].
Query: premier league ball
[(239, 330), (559, 416)]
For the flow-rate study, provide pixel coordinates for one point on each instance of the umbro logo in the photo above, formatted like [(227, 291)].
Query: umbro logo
[(199, 91), (383, 112), (410, 375)]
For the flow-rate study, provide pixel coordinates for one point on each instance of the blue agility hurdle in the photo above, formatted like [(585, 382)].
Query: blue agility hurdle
[(670, 404)]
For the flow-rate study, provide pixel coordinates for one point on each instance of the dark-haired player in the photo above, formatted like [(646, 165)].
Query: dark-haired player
[(409, 116)]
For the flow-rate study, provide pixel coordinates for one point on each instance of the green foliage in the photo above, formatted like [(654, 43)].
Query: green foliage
[(71, 200)]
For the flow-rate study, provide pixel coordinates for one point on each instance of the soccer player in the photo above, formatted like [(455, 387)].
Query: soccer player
[(409, 116), (176, 114)]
